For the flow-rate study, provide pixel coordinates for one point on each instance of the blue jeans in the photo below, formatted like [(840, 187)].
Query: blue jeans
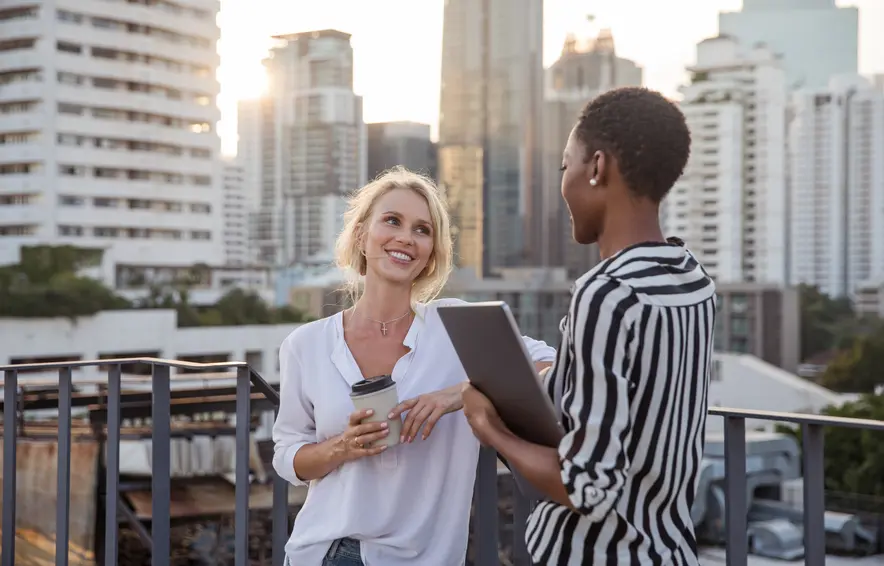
[(343, 552)]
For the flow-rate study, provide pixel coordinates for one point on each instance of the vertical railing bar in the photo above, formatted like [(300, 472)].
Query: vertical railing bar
[(813, 446), (10, 389), (280, 517), (280, 514), (63, 468), (161, 470), (485, 521), (736, 503), (241, 494), (112, 467), (521, 510)]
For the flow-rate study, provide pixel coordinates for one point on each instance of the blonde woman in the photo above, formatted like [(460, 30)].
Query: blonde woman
[(410, 503)]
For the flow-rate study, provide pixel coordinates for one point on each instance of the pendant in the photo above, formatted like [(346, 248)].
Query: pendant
[(384, 328)]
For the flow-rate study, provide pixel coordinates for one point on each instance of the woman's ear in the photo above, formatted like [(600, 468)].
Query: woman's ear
[(599, 169)]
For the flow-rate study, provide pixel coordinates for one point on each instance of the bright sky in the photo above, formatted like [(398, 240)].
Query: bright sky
[(398, 43)]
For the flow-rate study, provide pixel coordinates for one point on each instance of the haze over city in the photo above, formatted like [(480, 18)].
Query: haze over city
[(398, 44)]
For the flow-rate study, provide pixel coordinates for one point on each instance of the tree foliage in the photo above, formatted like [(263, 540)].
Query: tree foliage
[(826, 323), (859, 368), (47, 283), (236, 308), (854, 458)]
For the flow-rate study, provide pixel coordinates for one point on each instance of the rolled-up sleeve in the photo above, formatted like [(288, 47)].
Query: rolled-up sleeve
[(295, 426), (593, 458), (539, 351)]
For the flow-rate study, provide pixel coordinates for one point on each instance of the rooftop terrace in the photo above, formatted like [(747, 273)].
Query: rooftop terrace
[(88, 426)]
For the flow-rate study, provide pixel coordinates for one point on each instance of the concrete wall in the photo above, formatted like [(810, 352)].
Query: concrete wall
[(139, 332)]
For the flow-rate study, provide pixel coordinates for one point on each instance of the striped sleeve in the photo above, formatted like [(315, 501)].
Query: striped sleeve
[(592, 454)]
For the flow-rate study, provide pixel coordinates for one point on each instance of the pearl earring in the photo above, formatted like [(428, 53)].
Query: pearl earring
[(593, 182)]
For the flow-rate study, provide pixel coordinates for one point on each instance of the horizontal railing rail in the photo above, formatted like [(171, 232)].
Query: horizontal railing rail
[(158, 403)]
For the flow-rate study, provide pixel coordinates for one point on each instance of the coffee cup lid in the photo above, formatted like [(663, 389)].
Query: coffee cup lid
[(372, 385)]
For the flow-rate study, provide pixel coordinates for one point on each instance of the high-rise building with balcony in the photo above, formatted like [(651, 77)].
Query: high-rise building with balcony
[(107, 131), (236, 216), (303, 145), (491, 103), (730, 206), (583, 71), (792, 29), (836, 143)]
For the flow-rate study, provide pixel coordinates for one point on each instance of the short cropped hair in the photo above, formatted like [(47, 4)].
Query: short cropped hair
[(644, 132)]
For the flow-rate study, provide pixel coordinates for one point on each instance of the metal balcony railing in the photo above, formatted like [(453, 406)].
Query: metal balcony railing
[(253, 393)]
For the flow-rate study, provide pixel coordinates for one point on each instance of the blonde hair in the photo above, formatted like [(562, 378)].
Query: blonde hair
[(348, 252)]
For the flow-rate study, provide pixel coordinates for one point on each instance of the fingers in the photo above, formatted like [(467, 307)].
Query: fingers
[(373, 451), (357, 417), (431, 422), (368, 428), (402, 407), (414, 421)]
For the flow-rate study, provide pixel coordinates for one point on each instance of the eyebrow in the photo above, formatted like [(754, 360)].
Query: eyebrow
[(397, 215)]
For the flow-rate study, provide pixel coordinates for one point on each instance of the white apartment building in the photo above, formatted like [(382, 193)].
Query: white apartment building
[(304, 145), (730, 206), (107, 131), (236, 216), (836, 147), (793, 29)]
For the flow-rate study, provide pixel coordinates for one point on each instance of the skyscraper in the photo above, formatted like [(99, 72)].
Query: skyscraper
[(836, 141), (490, 130), (582, 72), (730, 206), (308, 137), (107, 132)]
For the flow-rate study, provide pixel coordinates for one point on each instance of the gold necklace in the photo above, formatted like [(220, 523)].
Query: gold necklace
[(382, 323)]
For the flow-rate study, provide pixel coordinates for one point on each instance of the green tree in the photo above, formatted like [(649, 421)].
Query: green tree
[(854, 458), (826, 323), (45, 283), (239, 307), (859, 368)]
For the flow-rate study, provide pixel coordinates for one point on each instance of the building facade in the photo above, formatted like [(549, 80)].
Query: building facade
[(304, 144), (836, 143), (761, 320), (107, 130), (401, 143), (236, 216), (792, 29), (489, 130), (582, 72), (731, 204)]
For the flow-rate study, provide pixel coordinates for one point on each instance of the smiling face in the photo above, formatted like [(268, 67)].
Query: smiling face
[(398, 237)]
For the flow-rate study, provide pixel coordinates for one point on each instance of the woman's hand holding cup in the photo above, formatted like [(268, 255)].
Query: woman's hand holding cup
[(355, 442)]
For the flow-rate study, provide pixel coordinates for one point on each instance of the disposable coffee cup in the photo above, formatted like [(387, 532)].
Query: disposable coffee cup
[(379, 394)]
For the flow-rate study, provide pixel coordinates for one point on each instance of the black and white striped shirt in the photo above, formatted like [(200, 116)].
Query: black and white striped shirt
[(633, 366)]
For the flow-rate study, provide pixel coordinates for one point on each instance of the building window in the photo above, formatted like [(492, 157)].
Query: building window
[(73, 109), (70, 17), (69, 200), (68, 47)]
